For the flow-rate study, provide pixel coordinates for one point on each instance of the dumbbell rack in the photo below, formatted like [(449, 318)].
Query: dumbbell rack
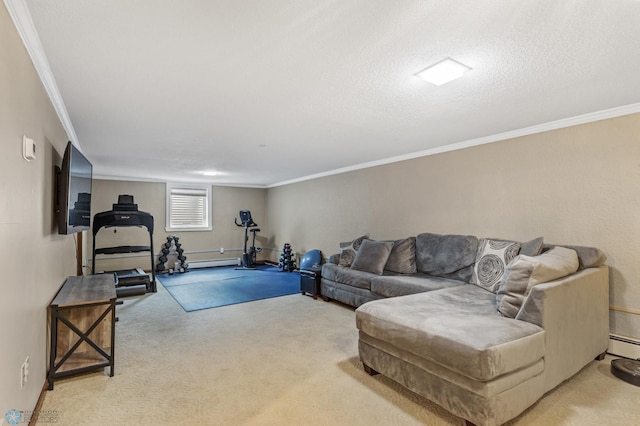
[(166, 249), (287, 259)]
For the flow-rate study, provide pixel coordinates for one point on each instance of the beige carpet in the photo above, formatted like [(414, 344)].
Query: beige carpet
[(289, 360)]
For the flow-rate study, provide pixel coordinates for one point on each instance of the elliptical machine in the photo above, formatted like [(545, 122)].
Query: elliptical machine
[(248, 255)]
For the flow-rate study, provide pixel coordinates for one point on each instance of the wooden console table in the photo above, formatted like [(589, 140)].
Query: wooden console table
[(83, 316)]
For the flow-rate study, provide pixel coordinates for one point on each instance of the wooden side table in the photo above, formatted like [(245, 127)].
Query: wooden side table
[(82, 317), (310, 281)]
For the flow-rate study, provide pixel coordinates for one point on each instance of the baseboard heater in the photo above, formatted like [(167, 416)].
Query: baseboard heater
[(624, 346), (232, 261)]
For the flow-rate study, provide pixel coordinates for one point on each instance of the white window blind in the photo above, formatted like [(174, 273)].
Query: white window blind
[(188, 208)]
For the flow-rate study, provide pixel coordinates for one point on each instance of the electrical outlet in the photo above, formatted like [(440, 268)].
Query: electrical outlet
[(221, 250), (24, 373)]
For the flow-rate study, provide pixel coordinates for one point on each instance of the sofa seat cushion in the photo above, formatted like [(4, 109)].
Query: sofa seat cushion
[(348, 276), (402, 285), (458, 328)]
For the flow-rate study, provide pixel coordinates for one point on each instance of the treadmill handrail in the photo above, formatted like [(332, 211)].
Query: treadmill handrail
[(122, 249)]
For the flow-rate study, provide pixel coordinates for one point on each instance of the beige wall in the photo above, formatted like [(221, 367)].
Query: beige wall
[(150, 197), (578, 185), (35, 259)]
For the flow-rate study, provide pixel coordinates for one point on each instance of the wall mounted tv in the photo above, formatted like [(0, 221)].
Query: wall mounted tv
[(74, 192)]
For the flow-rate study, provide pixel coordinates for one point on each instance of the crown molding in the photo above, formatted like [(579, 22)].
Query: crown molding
[(179, 182), (23, 22), (545, 127), (21, 17)]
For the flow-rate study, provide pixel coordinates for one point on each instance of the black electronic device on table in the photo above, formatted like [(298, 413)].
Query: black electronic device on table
[(125, 213)]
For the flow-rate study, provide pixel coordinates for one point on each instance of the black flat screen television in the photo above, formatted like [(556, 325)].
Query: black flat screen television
[(74, 192)]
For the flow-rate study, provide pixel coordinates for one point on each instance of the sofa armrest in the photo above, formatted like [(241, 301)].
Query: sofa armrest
[(574, 312)]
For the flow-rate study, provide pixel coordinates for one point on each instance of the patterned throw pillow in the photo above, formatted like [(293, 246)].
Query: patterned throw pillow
[(528, 248), (491, 261), (349, 249)]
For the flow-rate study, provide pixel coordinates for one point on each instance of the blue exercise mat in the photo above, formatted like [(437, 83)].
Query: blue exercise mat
[(220, 286)]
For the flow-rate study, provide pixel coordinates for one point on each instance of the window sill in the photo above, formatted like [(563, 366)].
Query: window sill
[(209, 228)]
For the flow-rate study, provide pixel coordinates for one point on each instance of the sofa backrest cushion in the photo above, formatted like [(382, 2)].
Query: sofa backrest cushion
[(524, 272), (402, 259), (372, 256), (446, 256)]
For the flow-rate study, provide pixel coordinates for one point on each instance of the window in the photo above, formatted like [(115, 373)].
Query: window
[(188, 207)]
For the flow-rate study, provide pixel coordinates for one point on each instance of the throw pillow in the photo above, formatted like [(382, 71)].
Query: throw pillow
[(589, 257), (493, 256), (402, 258), (348, 250), (372, 256), (528, 271), (531, 247)]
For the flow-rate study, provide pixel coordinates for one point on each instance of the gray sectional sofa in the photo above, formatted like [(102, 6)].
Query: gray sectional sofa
[(482, 327)]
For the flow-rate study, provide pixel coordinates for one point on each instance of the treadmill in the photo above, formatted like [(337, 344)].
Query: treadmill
[(129, 282)]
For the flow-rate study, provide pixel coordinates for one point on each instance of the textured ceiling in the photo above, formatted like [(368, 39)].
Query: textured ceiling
[(265, 92)]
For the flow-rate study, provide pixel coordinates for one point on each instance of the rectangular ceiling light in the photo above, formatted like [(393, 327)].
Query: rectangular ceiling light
[(443, 72)]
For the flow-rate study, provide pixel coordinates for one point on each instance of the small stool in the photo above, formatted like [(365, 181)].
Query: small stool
[(310, 280)]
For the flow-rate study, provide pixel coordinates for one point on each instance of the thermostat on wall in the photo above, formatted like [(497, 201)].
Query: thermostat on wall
[(28, 148)]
